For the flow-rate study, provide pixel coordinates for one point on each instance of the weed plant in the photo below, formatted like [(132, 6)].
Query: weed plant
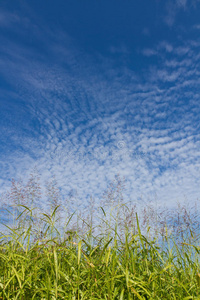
[(62, 254)]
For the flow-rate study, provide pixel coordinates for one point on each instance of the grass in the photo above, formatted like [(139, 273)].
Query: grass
[(114, 258)]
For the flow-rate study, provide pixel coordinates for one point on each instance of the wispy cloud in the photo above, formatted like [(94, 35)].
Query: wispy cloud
[(7, 19), (86, 121), (181, 3), (149, 52), (173, 7), (197, 26)]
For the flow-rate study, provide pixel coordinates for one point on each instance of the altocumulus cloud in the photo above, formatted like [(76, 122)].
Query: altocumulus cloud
[(86, 120)]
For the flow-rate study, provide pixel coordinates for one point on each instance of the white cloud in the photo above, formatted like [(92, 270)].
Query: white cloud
[(7, 19), (166, 46), (197, 26), (149, 52), (83, 116), (181, 3), (173, 7)]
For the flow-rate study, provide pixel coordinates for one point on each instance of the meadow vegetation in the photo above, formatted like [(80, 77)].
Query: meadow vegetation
[(108, 249)]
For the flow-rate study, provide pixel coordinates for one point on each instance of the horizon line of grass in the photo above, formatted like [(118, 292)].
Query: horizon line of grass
[(127, 254), (106, 266)]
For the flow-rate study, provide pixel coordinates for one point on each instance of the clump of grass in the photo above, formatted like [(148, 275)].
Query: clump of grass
[(114, 258)]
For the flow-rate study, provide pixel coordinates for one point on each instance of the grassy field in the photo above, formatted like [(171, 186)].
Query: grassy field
[(115, 258)]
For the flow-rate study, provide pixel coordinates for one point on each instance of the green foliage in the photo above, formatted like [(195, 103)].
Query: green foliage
[(115, 260), (126, 267)]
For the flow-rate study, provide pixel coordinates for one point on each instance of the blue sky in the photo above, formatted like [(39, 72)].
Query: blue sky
[(90, 89)]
